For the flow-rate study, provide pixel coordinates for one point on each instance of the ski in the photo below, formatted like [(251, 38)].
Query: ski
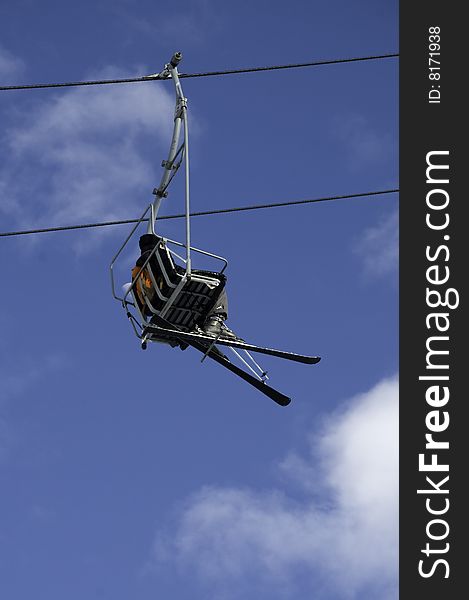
[(223, 360), (301, 358)]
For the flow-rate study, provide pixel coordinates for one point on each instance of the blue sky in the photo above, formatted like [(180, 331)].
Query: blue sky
[(130, 474)]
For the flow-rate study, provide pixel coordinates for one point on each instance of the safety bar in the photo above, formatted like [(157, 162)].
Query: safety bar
[(161, 240), (111, 267)]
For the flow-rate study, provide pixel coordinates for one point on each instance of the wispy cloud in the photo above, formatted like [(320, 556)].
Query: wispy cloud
[(362, 143), (341, 541), (10, 66), (5, 439), (15, 380), (189, 26), (379, 246), (80, 156), (42, 514)]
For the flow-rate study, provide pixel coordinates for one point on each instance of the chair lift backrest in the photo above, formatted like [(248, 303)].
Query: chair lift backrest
[(163, 288)]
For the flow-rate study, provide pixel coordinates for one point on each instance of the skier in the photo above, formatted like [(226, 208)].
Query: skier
[(214, 324)]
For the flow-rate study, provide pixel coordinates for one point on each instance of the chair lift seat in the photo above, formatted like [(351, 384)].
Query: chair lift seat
[(161, 289)]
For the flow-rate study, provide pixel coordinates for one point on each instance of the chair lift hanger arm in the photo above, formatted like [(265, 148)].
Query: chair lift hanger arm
[(180, 118)]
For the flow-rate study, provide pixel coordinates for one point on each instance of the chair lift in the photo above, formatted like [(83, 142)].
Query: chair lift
[(167, 302)]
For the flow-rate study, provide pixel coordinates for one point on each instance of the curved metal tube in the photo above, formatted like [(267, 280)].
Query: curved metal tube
[(169, 165)]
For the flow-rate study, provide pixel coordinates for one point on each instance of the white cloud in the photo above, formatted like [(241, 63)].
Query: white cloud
[(340, 541), (80, 156), (379, 246), (10, 66)]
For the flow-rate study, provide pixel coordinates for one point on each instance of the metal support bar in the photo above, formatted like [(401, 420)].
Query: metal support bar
[(188, 219), (246, 364), (173, 296), (180, 119), (261, 370), (198, 250)]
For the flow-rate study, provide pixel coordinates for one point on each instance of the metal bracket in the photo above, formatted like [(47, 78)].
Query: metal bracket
[(168, 165), (173, 63), (181, 105)]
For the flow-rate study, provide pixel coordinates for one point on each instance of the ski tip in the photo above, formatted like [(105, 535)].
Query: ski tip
[(309, 360), (304, 359), (282, 400)]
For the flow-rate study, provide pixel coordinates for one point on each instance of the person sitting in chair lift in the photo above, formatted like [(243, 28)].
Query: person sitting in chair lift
[(214, 324)]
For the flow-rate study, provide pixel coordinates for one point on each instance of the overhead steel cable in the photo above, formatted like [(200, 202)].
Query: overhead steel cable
[(197, 214), (158, 76)]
